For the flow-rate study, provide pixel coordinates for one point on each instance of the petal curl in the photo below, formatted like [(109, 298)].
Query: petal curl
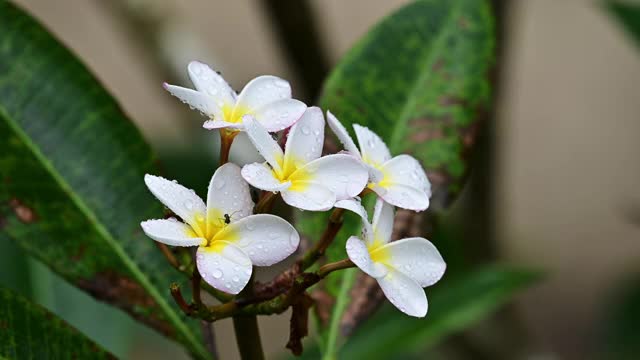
[(383, 216), (182, 201), (224, 266), (171, 232), (406, 170), (260, 176), (341, 173), (279, 114), (211, 83), (356, 207), (310, 196), (374, 151), (417, 258), (264, 143), (402, 196), (263, 90), (342, 134), (305, 140), (359, 255), (404, 293), (196, 100)]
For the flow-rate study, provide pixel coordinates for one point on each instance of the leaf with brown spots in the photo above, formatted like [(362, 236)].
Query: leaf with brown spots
[(421, 80), (71, 169)]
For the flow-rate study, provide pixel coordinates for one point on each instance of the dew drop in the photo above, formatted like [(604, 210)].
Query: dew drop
[(236, 279), (305, 130), (250, 226), (371, 143), (217, 273), (273, 235), (188, 204)]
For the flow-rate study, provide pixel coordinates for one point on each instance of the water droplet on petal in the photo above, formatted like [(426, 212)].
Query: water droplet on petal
[(273, 235), (305, 130), (219, 184), (188, 204), (236, 279), (217, 273)]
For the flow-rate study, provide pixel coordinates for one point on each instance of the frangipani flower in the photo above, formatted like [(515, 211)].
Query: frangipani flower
[(266, 98), (305, 180), (402, 268), (400, 181), (230, 240)]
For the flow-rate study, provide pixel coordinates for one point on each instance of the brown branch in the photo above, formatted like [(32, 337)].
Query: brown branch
[(171, 259), (179, 299)]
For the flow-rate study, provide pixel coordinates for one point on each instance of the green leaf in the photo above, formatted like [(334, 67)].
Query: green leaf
[(454, 305), (628, 15), (72, 191), (421, 80), (31, 332)]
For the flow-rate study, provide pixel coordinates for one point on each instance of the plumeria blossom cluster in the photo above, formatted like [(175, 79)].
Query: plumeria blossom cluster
[(231, 239)]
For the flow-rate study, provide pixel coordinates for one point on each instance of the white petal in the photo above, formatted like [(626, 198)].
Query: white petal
[(341, 173), (171, 232), (224, 266), (356, 207), (383, 216), (402, 196), (267, 239), (417, 258), (211, 83), (196, 100), (359, 255), (263, 90), (218, 124), (374, 151), (305, 140), (280, 114), (260, 176), (342, 134), (404, 293), (310, 196), (264, 143), (406, 170), (228, 194), (182, 201)]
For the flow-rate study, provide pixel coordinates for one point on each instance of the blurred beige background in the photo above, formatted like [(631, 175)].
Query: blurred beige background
[(567, 135)]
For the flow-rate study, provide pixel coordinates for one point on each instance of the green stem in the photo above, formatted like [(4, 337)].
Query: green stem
[(342, 300)]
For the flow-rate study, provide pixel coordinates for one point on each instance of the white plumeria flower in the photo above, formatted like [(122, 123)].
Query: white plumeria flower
[(402, 268), (400, 181), (267, 98), (230, 240), (305, 180)]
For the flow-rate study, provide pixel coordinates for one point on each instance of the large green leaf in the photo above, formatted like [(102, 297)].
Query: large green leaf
[(72, 169), (31, 332), (628, 15), (421, 80)]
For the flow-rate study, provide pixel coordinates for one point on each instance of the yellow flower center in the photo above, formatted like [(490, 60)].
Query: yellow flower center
[(213, 229), (233, 113), (292, 169)]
